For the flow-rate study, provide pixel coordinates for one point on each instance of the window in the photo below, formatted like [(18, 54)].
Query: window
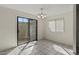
[(56, 25), (21, 19), (59, 26), (52, 26)]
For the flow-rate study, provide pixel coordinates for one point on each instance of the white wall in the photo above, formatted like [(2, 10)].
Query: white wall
[(67, 36), (8, 27), (40, 29)]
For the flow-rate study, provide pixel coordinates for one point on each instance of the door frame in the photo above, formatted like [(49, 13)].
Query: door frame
[(28, 28)]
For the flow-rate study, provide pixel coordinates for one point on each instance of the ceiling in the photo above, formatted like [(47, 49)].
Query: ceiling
[(34, 9)]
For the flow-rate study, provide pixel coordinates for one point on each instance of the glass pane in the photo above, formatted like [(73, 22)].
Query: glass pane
[(52, 26), (22, 20), (22, 30), (32, 30), (59, 26)]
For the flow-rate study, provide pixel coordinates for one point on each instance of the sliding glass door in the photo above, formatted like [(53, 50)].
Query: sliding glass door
[(23, 29), (26, 30), (33, 30)]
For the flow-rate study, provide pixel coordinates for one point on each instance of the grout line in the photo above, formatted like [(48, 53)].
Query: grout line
[(66, 51), (29, 46), (23, 48)]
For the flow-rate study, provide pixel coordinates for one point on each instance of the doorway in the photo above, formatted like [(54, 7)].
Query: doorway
[(26, 30)]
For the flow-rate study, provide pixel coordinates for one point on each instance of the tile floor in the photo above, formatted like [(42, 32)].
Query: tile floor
[(46, 47), (42, 47)]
